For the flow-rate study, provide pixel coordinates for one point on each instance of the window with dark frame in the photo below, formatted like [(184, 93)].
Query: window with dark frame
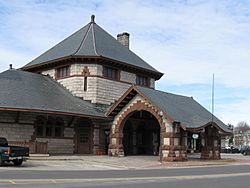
[(62, 72), (111, 73), (40, 122), (50, 128), (59, 128), (39, 130), (85, 86), (142, 80)]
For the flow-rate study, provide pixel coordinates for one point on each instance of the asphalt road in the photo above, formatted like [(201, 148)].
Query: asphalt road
[(205, 177)]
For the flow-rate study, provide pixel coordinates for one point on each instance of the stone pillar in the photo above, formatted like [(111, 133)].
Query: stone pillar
[(116, 146), (173, 148), (211, 148)]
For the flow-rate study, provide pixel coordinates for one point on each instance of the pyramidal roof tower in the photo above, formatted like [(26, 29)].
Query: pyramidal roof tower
[(92, 41)]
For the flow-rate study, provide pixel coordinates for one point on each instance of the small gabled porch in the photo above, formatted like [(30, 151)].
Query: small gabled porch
[(152, 122)]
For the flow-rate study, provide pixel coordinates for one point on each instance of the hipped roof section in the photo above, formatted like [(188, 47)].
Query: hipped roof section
[(25, 91), (184, 110), (92, 41)]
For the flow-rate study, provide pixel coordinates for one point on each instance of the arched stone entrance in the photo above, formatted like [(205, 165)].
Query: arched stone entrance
[(172, 139), (141, 134)]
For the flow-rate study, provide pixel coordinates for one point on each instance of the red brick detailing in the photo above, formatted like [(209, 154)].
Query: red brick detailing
[(117, 149), (138, 107)]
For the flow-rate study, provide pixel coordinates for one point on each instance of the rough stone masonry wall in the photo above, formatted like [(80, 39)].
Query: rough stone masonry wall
[(59, 145), (51, 73), (24, 129), (64, 145), (75, 83), (108, 91), (99, 89), (14, 131), (128, 77)]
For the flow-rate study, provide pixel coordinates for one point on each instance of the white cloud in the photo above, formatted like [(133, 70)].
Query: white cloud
[(187, 40)]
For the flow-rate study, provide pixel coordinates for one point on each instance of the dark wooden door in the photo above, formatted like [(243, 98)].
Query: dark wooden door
[(84, 140)]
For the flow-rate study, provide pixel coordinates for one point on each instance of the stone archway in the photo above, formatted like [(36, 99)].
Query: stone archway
[(172, 140), (141, 134)]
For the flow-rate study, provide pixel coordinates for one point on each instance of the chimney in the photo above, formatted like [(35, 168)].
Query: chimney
[(11, 66), (123, 38)]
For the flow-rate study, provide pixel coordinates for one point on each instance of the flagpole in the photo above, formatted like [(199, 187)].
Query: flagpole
[(213, 101)]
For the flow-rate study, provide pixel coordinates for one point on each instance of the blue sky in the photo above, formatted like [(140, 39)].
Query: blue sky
[(187, 40)]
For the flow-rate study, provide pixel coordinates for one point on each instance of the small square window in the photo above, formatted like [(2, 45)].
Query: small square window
[(62, 72), (142, 80), (110, 73)]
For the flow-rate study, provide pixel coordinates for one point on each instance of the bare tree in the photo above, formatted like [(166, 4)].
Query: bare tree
[(242, 127), (241, 134)]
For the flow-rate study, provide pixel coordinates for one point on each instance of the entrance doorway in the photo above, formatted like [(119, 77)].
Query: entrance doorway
[(141, 134), (84, 137)]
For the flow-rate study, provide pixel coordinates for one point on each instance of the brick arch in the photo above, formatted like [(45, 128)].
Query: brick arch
[(138, 106)]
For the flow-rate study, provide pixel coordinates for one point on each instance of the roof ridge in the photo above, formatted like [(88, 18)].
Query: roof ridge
[(164, 92), (94, 40), (83, 40), (52, 48)]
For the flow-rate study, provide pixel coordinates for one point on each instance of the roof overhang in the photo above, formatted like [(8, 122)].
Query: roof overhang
[(52, 112), (133, 91), (129, 95), (100, 60), (212, 124)]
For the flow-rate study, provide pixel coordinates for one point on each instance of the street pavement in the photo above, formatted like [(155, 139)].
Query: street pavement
[(135, 171), (216, 176)]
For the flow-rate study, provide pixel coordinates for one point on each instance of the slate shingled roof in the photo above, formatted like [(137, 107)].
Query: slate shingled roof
[(181, 108), (92, 41), (23, 90)]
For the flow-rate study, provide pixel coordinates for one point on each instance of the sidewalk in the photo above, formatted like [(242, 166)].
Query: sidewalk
[(93, 162)]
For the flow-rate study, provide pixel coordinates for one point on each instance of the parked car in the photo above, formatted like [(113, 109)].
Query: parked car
[(15, 154), (245, 150), (230, 149)]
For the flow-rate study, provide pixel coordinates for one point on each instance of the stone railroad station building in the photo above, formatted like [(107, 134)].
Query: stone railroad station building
[(90, 94)]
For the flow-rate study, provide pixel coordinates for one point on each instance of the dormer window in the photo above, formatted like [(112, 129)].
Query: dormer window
[(110, 73), (142, 80), (62, 72)]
